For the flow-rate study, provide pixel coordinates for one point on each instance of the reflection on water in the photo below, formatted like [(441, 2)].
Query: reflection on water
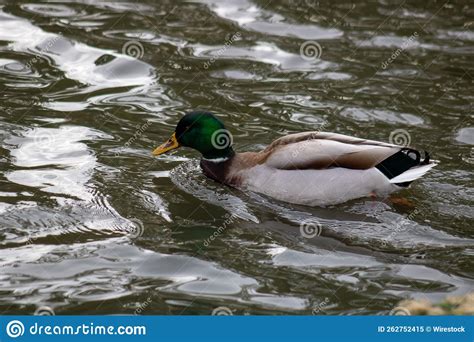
[(90, 222), (251, 17), (54, 160)]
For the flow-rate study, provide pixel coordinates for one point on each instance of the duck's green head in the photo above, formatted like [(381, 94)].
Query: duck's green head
[(201, 131)]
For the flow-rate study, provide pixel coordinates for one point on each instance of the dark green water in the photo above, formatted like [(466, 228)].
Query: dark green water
[(90, 223)]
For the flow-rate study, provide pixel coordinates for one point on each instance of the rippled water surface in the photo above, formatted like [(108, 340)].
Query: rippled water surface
[(90, 222)]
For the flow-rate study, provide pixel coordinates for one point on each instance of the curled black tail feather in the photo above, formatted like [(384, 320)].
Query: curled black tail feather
[(402, 161)]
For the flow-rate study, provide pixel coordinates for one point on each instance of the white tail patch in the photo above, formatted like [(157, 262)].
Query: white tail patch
[(413, 173)]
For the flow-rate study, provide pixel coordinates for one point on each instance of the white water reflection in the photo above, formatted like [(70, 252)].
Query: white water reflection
[(96, 68), (56, 160), (89, 277), (78, 61), (59, 162), (263, 52), (255, 18)]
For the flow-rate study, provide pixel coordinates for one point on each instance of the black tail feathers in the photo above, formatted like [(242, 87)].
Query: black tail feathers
[(402, 161)]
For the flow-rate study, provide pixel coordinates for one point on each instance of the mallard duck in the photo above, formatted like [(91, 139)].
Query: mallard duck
[(310, 168)]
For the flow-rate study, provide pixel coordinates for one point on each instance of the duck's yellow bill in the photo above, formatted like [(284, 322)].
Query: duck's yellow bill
[(171, 144)]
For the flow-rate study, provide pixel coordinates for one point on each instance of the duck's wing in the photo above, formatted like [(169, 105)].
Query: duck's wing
[(305, 136), (321, 150)]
